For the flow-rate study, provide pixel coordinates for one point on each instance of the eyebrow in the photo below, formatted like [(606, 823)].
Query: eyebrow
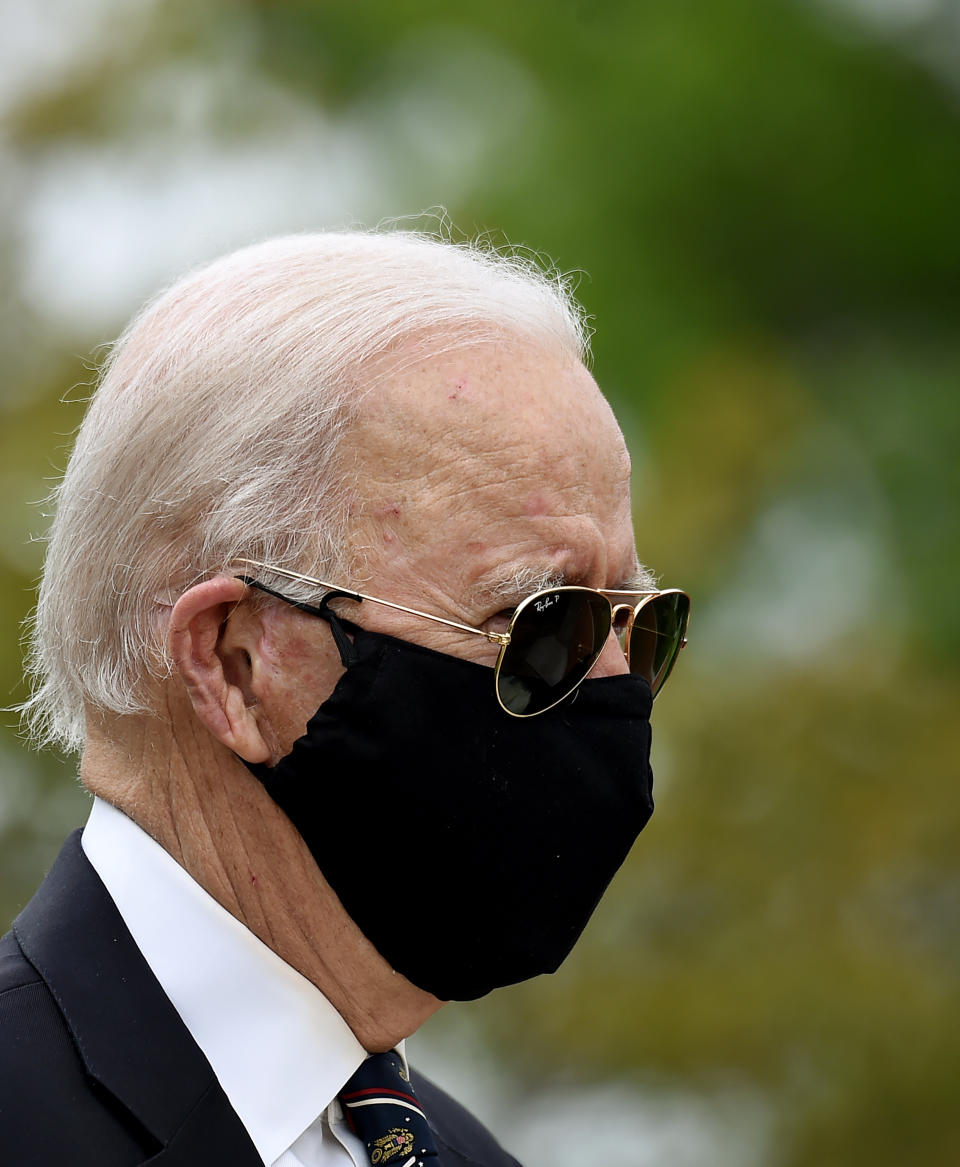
[(513, 584), (641, 579)]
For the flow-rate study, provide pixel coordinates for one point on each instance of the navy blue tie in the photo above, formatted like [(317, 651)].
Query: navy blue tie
[(382, 1109)]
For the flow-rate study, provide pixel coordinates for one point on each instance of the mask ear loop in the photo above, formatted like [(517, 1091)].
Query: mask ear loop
[(348, 654)]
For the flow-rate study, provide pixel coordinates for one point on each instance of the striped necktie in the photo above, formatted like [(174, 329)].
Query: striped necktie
[(382, 1109)]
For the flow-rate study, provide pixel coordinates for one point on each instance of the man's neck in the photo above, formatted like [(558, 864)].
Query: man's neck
[(205, 808)]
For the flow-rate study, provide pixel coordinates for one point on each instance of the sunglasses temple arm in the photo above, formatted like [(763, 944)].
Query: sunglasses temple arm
[(501, 638)]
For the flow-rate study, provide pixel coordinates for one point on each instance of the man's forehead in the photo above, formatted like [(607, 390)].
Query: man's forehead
[(512, 403), (490, 472)]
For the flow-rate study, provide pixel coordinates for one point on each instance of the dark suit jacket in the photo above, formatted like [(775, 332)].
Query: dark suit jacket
[(98, 1070)]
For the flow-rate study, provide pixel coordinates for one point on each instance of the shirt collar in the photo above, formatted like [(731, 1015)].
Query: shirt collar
[(278, 1047)]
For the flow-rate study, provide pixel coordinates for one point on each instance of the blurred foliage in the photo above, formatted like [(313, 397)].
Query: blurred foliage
[(763, 196)]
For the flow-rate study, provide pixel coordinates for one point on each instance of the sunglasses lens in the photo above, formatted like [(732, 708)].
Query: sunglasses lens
[(658, 631), (555, 641)]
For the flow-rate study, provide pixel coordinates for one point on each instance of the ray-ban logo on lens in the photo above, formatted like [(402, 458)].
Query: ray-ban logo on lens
[(546, 602)]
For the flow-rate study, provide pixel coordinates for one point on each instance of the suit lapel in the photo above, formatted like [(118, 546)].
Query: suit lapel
[(129, 1036)]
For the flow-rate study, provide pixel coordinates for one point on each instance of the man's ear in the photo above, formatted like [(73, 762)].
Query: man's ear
[(218, 687)]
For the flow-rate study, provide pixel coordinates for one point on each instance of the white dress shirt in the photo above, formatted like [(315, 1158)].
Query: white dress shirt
[(278, 1047)]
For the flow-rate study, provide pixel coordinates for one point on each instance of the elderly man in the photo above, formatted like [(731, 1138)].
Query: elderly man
[(344, 530)]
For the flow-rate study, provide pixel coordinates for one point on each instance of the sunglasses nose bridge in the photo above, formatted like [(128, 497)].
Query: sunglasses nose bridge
[(622, 625)]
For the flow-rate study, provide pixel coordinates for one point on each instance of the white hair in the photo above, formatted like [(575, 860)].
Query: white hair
[(215, 430)]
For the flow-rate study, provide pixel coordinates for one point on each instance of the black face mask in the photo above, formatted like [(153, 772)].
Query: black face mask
[(469, 846)]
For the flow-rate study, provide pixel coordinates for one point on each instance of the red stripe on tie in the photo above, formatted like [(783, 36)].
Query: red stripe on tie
[(381, 1090)]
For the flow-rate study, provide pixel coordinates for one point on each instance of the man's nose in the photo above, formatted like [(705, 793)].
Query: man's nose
[(611, 662)]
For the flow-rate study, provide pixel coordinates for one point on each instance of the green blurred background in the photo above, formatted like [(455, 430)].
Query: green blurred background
[(763, 199)]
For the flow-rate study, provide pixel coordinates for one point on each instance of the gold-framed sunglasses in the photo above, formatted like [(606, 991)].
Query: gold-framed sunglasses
[(554, 637)]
